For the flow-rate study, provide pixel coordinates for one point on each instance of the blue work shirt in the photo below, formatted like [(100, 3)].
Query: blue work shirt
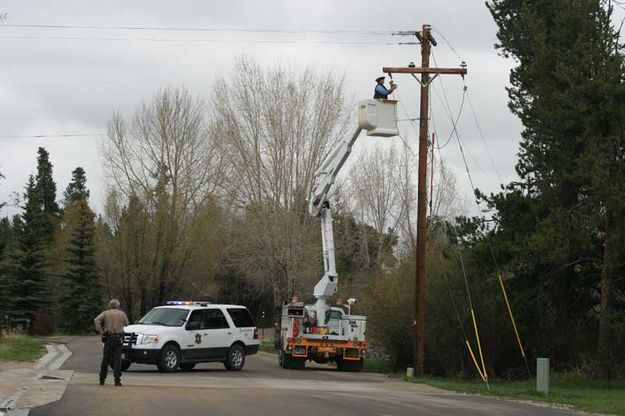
[(381, 92)]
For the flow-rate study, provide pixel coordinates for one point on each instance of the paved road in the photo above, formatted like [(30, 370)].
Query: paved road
[(261, 388)]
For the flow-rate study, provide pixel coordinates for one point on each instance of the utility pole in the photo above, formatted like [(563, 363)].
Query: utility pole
[(427, 41)]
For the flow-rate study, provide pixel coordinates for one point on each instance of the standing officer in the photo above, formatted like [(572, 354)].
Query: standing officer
[(110, 325), (381, 91)]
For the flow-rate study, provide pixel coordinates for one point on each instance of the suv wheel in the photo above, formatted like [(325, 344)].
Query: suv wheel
[(236, 358), (169, 359)]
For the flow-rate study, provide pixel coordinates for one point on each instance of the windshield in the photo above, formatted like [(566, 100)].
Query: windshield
[(165, 316)]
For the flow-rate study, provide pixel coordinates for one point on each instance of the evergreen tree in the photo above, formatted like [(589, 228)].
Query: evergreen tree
[(29, 280), (5, 283), (77, 188), (82, 296), (558, 225), (46, 189)]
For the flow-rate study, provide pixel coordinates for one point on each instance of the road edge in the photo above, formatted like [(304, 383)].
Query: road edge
[(45, 370)]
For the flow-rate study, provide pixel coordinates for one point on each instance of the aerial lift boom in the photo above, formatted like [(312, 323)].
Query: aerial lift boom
[(320, 332), (320, 207)]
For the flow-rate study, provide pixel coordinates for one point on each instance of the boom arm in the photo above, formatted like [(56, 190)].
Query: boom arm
[(320, 207)]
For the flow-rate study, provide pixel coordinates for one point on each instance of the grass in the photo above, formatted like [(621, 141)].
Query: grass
[(268, 347), (20, 348), (378, 365), (589, 395)]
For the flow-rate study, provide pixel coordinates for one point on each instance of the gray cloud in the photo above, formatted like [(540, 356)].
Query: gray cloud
[(51, 86)]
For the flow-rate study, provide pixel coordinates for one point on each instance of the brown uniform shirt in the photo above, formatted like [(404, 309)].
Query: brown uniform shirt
[(111, 321)]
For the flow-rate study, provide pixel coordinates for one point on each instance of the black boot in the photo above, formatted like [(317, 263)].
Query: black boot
[(101, 381), (118, 382)]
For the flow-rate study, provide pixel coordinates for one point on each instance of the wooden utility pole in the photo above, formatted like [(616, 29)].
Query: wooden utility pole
[(426, 39)]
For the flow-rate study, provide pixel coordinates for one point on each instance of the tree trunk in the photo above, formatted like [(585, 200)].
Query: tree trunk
[(605, 304)]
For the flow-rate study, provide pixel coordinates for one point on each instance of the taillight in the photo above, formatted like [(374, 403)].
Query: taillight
[(255, 333)]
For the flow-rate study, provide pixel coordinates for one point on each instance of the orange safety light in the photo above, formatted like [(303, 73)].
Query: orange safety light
[(295, 299)]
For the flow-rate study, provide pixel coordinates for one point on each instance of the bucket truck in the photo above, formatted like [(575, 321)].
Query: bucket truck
[(320, 332)]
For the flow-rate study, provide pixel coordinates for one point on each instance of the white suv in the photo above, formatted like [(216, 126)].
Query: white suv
[(182, 334)]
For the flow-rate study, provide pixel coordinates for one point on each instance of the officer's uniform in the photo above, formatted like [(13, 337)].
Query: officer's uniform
[(110, 325)]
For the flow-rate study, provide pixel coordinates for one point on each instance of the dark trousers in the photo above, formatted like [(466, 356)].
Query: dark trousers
[(112, 354)]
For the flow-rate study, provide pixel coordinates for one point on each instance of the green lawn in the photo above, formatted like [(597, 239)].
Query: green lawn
[(268, 347), (20, 348), (583, 394)]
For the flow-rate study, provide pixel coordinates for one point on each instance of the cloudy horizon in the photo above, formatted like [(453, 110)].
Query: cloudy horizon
[(69, 80)]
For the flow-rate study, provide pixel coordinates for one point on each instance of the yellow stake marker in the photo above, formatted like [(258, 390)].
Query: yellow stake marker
[(479, 345), (516, 332), (477, 367)]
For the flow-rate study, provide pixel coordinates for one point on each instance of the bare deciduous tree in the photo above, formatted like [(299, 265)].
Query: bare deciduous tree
[(163, 167), (275, 127), (377, 185)]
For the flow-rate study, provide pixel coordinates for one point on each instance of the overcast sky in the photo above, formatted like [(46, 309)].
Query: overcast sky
[(69, 81)]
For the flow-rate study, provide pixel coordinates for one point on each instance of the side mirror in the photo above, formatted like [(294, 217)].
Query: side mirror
[(193, 326)]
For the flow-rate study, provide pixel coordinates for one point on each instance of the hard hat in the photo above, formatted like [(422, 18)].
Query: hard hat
[(379, 78)]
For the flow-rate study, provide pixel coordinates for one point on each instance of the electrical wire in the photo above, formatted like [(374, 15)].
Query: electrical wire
[(47, 136), (490, 246), (455, 132), (479, 129), (405, 142), (203, 29), (448, 43), (454, 122), (208, 41)]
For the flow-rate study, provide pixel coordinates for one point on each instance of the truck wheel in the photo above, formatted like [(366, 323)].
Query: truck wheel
[(236, 358), (298, 363), (281, 359), (169, 359)]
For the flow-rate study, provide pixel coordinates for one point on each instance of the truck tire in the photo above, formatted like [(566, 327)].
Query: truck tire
[(169, 360), (236, 358), (298, 363), (285, 360), (350, 365)]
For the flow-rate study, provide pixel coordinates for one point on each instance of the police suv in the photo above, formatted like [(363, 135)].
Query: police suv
[(182, 334)]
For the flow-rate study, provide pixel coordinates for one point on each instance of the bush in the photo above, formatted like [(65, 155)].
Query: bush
[(43, 323)]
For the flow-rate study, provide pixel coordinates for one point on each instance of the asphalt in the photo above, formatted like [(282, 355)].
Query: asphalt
[(261, 388)]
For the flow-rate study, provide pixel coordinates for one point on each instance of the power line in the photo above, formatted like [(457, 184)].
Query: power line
[(205, 29), (448, 43), (48, 136), (479, 129), (190, 40)]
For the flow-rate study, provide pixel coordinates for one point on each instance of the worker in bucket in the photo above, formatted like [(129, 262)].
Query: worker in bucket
[(110, 325), (381, 92)]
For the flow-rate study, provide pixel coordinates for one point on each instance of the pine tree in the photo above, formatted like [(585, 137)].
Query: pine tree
[(77, 188), (46, 189), (5, 246), (82, 296), (29, 280), (561, 224)]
